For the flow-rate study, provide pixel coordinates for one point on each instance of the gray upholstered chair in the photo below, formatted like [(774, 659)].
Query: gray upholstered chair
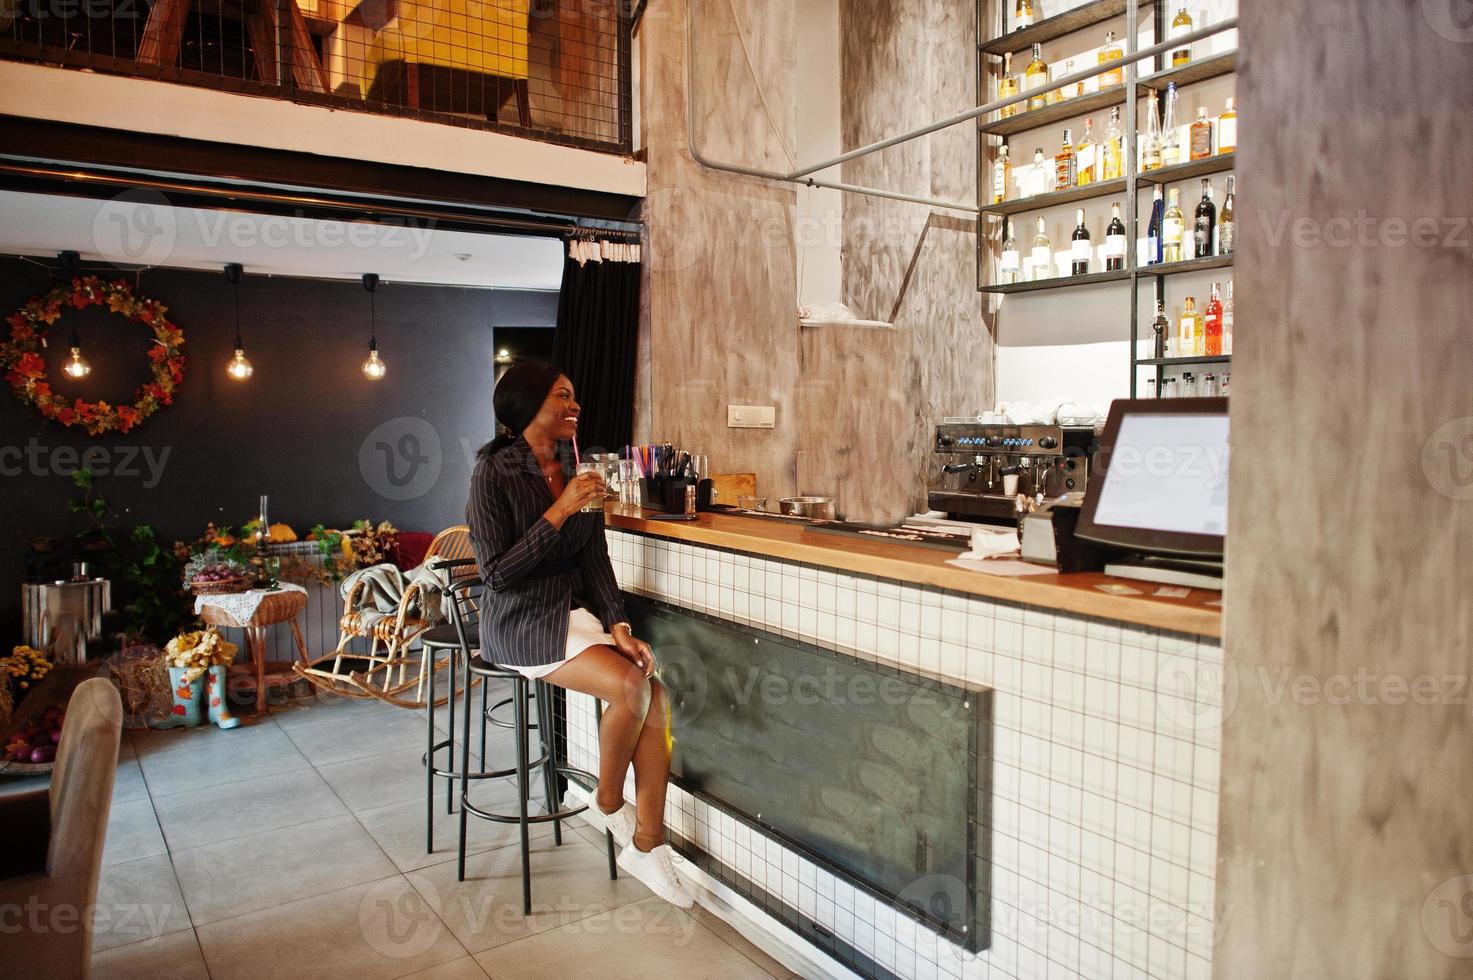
[(65, 889)]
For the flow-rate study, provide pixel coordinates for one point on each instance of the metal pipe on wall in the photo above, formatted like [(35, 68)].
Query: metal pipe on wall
[(803, 175)]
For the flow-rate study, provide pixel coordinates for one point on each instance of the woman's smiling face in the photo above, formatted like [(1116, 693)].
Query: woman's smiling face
[(558, 417)]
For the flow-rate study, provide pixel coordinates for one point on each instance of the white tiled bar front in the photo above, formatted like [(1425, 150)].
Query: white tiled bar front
[(1104, 778)]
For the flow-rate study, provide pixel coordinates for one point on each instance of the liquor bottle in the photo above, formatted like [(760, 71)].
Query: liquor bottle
[(1110, 149), (1186, 330), (1226, 223), (1115, 241), (1010, 265), (1087, 155), (1227, 329), (1170, 136), (1007, 87), (1040, 180), (1188, 385), (1154, 249), (1070, 90), (1002, 172), (1151, 388), (1210, 388), (1035, 79), (1212, 324), (1161, 327), (1079, 248), (1227, 128), (1111, 52), (1173, 227), (1200, 140), (1205, 223), (1023, 14), (1065, 164), (1151, 142), (1042, 254), (1168, 388), (1181, 24)]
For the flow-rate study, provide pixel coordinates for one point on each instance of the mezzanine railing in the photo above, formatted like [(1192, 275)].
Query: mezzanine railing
[(552, 70)]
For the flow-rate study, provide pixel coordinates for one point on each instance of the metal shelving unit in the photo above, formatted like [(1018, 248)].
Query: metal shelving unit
[(1062, 25), (1184, 361), (1053, 28), (1185, 265), (1053, 199), (1035, 118), (1059, 282)]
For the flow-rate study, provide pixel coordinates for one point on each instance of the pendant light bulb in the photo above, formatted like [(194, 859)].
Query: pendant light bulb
[(76, 366), (374, 368), (239, 368)]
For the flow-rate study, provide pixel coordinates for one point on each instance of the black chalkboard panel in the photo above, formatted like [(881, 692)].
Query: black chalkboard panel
[(880, 774)]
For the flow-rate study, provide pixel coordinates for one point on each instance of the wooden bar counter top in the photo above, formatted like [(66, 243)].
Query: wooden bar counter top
[(1073, 593)]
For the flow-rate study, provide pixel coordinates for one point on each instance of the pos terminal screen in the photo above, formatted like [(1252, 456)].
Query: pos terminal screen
[(1167, 473)]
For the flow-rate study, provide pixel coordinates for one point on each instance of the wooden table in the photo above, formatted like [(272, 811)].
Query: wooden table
[(277, 607)]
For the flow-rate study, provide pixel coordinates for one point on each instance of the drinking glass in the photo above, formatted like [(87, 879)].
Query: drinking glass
[(749, 502), (629, 489), (596, 505)]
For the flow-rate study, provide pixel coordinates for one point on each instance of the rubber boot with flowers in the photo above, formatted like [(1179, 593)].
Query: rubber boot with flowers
[(186, 695), (215, 698)]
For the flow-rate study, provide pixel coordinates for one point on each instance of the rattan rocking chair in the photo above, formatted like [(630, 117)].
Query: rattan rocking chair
[(391, 670)]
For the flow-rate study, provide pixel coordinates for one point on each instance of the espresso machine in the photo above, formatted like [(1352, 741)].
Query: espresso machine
[(985, 466)]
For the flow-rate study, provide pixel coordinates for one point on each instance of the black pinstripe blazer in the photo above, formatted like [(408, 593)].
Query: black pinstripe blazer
[(534, 573)]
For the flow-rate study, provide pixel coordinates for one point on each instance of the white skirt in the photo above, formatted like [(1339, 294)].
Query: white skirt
[(584, 631)]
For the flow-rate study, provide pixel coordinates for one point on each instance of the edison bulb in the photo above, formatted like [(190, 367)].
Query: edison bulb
[(239, 368), (76, 366), (374, 368)]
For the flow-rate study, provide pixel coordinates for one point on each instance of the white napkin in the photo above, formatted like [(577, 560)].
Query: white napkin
[(989, 542)]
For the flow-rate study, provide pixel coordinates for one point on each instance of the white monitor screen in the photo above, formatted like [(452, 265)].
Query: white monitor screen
[(1167, 473)]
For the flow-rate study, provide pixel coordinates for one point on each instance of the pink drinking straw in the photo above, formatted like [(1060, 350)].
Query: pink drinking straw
[(576, 461)]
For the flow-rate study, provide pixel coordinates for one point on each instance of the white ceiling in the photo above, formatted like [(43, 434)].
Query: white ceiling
[(141, 228)]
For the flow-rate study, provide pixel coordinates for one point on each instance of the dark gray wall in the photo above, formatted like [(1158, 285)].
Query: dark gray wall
[(308, 428)]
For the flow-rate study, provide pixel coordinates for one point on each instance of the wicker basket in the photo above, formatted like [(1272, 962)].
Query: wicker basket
[(225, 586)]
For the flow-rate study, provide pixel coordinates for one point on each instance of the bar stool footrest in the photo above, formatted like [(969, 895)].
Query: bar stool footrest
[(570, 771)]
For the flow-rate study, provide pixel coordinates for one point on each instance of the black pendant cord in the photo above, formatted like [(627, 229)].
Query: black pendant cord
[(71, 268), (233, 272), (370, 283), (238, 345)]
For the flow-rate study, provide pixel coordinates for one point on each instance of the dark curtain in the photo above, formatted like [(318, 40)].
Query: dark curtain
[(595, 346)]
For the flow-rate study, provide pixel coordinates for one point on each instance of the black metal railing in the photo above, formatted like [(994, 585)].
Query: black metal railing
[(552, 70)]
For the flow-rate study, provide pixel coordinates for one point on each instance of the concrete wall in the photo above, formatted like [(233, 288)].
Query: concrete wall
[(853, 406), (1346, 848)]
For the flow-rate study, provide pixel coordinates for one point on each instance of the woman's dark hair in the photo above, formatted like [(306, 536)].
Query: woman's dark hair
[(517, 400)]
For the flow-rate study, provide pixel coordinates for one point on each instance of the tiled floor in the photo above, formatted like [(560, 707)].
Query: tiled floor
[(294, 847)]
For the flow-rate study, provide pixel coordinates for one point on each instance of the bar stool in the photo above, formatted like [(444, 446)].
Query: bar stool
[(446, 639), (460, 598), (523, 691)]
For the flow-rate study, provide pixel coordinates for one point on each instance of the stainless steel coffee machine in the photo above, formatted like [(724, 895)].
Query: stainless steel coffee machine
[(984, 466)]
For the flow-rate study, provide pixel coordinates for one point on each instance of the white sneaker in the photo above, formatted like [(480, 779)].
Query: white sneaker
[(620, 823), (656, 869)]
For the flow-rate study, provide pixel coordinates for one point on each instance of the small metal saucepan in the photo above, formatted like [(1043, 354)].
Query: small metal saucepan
[(817, 508)]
